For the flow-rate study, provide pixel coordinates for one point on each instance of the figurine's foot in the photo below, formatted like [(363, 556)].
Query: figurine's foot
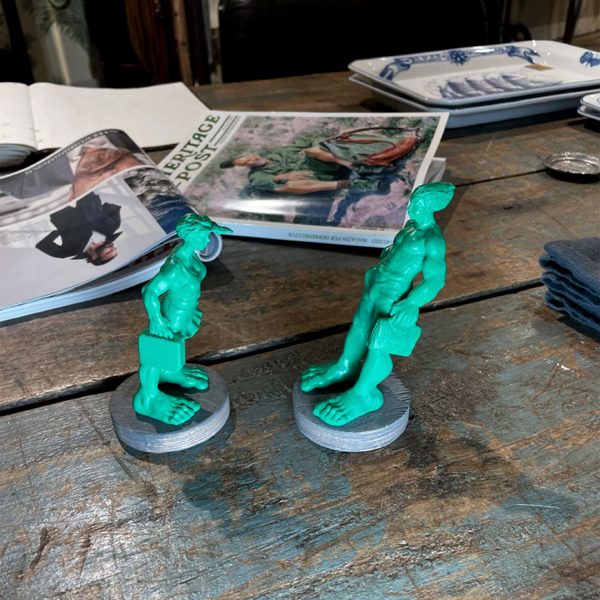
[(188, 377), (165, 408), (346, 407), (320, 376)]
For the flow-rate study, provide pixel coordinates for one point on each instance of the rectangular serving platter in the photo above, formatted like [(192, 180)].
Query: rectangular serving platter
[(476, 115), (466, 76)]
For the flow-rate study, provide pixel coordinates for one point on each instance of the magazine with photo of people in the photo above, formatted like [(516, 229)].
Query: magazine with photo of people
[(316, 177), (91, 219)]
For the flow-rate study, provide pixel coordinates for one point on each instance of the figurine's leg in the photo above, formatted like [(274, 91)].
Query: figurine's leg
[(184, 324), (188, 377), (152, 402), (363, 397), (348, 364)]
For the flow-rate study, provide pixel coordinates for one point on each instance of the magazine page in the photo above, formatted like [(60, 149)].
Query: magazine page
[(158, 115), (138, 272), (83, 213), (330, 178)]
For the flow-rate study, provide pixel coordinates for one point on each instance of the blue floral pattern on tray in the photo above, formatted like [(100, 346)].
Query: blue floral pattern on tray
[(590, 59), (456, 57)]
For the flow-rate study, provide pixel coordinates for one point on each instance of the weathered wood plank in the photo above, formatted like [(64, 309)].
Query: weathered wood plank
[(474, 153), (515, 147), (496, 230), (261, 292), (491, 492)]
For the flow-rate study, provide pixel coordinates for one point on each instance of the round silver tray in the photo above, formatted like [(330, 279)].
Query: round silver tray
[(573, 163)]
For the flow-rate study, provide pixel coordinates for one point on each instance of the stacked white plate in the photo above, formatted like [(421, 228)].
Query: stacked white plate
[(483, 84), (590, 106)]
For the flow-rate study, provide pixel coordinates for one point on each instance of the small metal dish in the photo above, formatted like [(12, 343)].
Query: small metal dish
[(573, 163)]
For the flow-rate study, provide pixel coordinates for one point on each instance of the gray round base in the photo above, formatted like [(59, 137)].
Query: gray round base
[(149, 435), (369, 432)]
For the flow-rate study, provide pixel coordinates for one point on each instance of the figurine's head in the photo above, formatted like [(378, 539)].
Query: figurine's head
[(196, 229), (430, 198)]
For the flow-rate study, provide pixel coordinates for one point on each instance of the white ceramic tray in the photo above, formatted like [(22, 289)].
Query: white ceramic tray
[(591, 101), (464, 76), (476, 115), (586, 111)]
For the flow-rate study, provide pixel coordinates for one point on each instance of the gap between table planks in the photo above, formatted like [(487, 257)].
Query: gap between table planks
[(491, 492), (262, 294)]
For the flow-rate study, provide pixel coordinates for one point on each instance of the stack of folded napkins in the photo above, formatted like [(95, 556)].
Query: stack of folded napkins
[(572, 276)]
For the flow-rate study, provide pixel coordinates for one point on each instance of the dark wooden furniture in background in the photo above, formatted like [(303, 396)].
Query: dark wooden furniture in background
[(150, 42), (491, 492), (15, 64), (263, 39)]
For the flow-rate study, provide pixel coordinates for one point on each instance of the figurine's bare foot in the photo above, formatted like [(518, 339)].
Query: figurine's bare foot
[(188, 377), (320, 376), (165, 408), (348, 406)]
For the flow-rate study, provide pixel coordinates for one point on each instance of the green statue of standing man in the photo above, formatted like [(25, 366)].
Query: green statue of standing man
[(171, 301), (385, 322)]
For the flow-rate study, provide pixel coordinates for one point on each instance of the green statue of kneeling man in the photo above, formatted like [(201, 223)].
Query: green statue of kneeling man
[(385, 322), (171, 301)]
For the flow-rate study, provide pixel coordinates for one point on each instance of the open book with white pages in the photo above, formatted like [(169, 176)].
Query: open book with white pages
[(47, 116), (335, 178), (94, 218)]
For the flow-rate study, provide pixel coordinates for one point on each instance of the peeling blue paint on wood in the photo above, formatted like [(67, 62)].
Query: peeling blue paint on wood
[(491, 492)]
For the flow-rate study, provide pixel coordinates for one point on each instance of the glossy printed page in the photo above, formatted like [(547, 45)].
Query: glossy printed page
[(337, 178)]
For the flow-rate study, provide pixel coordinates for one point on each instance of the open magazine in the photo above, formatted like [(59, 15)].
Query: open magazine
[(328, 178), (91, 219), (38, 119)]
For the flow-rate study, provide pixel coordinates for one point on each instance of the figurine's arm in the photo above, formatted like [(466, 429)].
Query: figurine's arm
[(151, 293), (434, 277)]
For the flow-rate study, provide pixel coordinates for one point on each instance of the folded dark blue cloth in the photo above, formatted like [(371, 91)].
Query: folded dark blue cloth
[(563, 305), (577, 294), (572, 277), (581, 258)]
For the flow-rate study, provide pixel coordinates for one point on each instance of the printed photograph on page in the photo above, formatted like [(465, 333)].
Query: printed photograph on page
[(345, 171), (80, 241)]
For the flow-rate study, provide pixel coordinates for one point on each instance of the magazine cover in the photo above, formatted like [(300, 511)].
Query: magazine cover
[(96, 214), (331, 178)]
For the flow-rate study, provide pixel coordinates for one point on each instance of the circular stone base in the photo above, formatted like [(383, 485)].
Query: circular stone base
[(149, 435), (369, 432)]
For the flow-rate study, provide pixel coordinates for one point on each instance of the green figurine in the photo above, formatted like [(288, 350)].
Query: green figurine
[(171, 301), (385, 321)]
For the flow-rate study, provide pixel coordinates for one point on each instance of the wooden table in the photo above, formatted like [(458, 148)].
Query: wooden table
[(492, 492)]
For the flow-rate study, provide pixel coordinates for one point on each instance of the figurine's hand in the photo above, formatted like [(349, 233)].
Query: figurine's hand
[(405, 313), (159, 327)]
